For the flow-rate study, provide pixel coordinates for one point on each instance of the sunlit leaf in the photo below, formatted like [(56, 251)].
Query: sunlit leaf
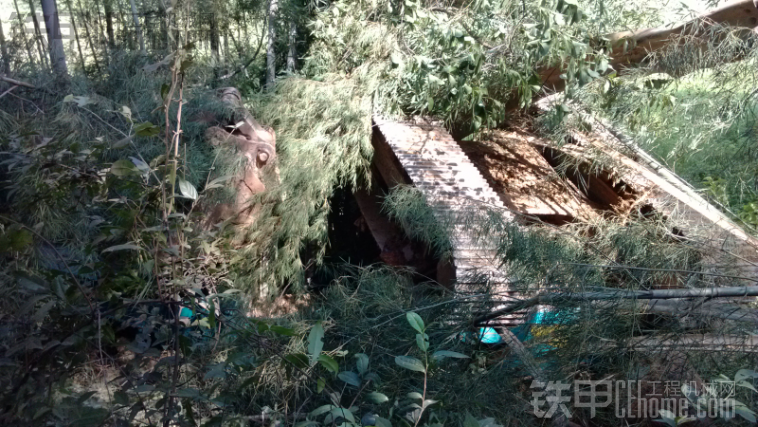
[(377, 397), (187, 189), (124, 247)]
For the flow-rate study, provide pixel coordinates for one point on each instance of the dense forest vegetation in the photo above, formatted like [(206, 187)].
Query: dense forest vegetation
[(179, 244)]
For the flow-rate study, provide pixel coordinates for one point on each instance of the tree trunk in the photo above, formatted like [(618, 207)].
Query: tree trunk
[(22, 29), (76, 35), (89, 37), (98, 29), (292, 51), (226, 55), (55, 38), (108, 6), (38, 35), (149, 30), (137, 26), (165, 37), (215, 41), (273, 10), (125, 34), (238, 45), (4, 51), (244, 36)]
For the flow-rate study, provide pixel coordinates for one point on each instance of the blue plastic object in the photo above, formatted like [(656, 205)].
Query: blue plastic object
[(489, 335), (550, 317), (486, 335)]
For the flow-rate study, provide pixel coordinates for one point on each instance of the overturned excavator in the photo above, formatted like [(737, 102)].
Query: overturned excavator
[(527, 180), (255, 148)]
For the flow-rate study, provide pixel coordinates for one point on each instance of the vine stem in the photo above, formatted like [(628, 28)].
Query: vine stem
[(167, 208), (423, 395)]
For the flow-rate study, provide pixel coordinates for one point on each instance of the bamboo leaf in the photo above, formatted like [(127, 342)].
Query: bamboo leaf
[(441, 354), (124, 247), (217, 183), (315, 343)]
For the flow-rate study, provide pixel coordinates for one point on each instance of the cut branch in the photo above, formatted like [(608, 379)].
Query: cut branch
[(606, 295), (705, 342), (16, 82)]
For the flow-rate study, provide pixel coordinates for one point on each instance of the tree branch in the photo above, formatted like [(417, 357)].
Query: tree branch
[(610, 294)]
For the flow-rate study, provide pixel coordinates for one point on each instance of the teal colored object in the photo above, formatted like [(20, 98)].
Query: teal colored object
[(186, 312), (559, 317), (489, 335)]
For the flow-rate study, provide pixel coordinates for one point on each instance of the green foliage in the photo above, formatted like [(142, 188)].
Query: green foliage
[(100, 242), (101, 234), (463, 64), (407, 206), (699, 118), (323, 142)]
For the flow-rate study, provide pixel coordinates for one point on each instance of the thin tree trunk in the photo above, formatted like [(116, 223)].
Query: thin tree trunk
[(87, 34), (125, 36), (98, 29), (108, 6), (236, 45), (166, 26), (137, 26), (617, 295), (163, 36), (242, 34), (76, 35), (257, 51), (55, 38), (4, 51), (22, 29), (226, 45), (38, 35), (215, 42), (273, 10), (292, 51), (149, 30)]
